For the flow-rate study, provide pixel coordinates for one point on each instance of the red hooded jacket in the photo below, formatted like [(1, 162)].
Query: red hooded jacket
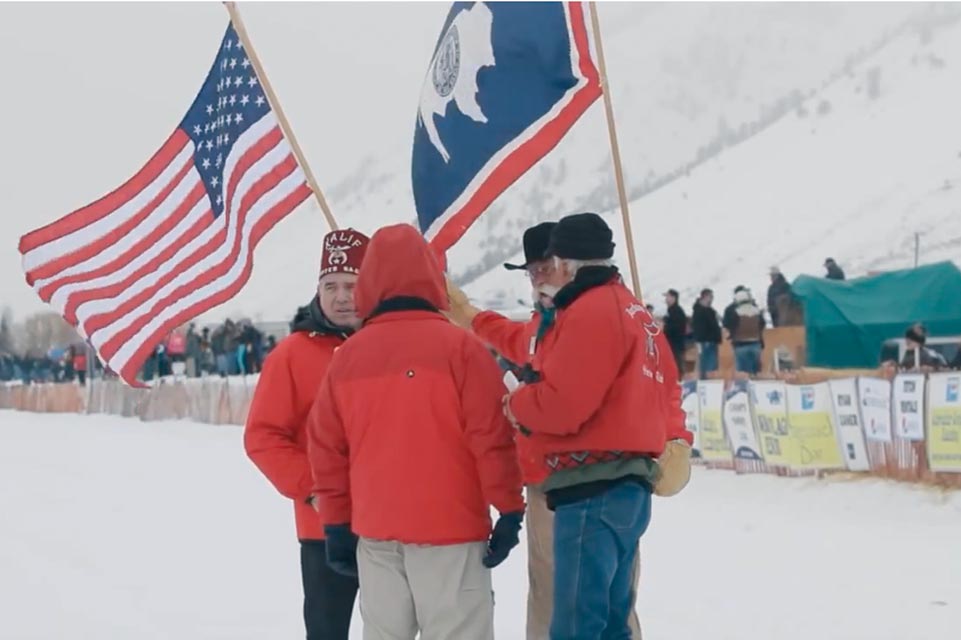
[(608, 379), (408, 441), (512, 340), (275, 436)]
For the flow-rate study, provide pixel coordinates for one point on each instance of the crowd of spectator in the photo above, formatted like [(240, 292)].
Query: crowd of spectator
[(743, 322), (230, 349), (59, 364)]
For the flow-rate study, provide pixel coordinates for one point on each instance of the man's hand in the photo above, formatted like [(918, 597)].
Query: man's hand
[(504, 537), (674, 469), (462, 312), (341, 547), (510, 416)]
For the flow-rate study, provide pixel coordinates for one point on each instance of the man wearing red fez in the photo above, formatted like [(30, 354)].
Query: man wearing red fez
[(275, 435)]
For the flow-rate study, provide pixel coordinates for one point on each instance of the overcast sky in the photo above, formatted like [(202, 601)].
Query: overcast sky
[(91, 90)]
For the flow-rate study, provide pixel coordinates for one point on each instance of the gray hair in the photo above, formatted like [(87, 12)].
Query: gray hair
[(573, 266)]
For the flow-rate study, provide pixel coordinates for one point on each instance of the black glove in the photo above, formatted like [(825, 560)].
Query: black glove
[(341, 549), (503, 538)]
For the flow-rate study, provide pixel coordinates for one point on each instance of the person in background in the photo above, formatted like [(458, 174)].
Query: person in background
[(250, 348), (208, 362), (776, 292), (66, 365), (193, 352), (275, 436), (675, 328), (177, 347), (410, 450), (241, 348), (515, 343), (80, 364), (745, 326), (834, 272), (916, 355), (604, 415), (225, 348), (270, 346), (706, 327)]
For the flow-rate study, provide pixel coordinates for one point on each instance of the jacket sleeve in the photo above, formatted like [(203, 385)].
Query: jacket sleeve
[(329, 456), (488, 433), (576, 374), (270, 434), (507, 337), (730, 320), (675, 426)]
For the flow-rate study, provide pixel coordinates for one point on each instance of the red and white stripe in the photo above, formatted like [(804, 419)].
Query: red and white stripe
[(131, 267)]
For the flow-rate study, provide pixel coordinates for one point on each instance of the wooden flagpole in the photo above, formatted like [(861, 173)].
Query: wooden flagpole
[(615, 151), (281, 118)]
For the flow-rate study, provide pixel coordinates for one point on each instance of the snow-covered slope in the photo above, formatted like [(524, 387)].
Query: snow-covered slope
[(853, 173), (687, 79), (116, 529), (682, 76)]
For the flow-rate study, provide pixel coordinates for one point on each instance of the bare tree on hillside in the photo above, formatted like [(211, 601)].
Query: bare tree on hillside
[(42, 331), (6, 331)]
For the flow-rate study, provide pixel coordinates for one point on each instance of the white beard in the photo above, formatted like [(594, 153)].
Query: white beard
[(548, 291)]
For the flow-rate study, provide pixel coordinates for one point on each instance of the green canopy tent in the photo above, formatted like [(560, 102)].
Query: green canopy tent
[(846, 322)]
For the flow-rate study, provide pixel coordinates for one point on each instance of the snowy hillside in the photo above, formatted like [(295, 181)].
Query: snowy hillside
[(688, 80), (682, 75), (116, 529), (853, 173)]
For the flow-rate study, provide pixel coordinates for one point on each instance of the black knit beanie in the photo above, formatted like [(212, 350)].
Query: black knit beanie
[(918, 333), (582, 236)]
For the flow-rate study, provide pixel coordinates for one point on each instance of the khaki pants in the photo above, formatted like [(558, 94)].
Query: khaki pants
[(444, 592), (539, 523)]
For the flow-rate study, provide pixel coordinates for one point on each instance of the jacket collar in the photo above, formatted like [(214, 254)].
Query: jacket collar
[(587, 278), (401, 303), (311, 318)]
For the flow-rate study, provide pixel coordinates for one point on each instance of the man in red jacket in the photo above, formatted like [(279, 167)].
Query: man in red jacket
[(517, 342), (409, 449), (276, 436), (605, 401)]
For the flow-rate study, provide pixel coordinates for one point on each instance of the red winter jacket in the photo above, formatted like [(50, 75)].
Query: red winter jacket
[(408, 441), (608, 378), (275, 436), (512, 340)]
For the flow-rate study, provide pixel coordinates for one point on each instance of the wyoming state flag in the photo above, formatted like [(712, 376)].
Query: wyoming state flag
[(507, 81)]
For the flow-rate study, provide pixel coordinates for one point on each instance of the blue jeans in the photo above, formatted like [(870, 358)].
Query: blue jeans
[(707, 360), (747, 358), (595, 543)]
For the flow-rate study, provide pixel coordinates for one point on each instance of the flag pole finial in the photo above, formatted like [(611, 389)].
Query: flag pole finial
[(615, 151), (241, 30)]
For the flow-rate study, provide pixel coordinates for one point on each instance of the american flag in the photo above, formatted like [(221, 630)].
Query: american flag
[(177, 238)]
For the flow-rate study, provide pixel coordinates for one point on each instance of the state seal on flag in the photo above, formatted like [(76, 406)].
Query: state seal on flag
[(447, 63)]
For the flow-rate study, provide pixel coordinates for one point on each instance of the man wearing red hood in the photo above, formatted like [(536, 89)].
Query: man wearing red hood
[(409, 449), (276, 437)]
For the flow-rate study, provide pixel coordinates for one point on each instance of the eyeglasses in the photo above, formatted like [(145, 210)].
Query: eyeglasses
[(540, 270)]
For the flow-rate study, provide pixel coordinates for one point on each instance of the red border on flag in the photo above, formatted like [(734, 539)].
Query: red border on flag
[(534, 148)]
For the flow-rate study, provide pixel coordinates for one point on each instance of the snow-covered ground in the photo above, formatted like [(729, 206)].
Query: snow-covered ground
[(113, 529)]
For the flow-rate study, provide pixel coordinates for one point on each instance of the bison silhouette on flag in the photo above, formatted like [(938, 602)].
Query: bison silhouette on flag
[(506, 82)]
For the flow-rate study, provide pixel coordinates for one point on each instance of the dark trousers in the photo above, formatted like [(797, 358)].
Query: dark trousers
[(328, 595)]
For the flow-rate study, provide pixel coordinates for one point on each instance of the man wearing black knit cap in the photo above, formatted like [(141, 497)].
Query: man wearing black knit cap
[(916, 355), (605, 402)]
